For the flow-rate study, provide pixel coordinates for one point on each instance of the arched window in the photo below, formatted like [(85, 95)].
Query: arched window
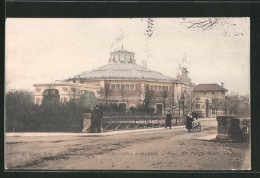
[(51, 94)]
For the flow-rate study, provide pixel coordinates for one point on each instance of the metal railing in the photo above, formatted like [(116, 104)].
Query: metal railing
[(245, 126), (114, 123)]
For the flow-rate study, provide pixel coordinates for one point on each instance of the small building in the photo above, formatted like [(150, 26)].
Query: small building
[(209, 100)]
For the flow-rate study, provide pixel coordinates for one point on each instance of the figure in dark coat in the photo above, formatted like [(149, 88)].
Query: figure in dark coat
[(97, 117), (189, 122), (168, 120)]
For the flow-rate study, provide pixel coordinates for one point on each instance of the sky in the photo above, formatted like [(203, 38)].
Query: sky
[(42, 50)]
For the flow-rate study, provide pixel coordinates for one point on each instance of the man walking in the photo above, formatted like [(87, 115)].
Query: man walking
[(168, 120)]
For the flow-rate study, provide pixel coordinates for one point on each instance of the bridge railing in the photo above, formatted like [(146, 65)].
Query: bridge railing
[(126, 122)]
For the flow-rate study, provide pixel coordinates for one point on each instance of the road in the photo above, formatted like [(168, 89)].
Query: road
[(168, 149)]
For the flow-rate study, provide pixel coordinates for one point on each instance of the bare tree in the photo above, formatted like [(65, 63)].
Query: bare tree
[(164, 95), (148, 96), (73, 94), (123, 92), (204, 24), (106, 92), (187, 101), (218, 104)]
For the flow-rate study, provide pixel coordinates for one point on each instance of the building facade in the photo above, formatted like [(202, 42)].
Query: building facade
[(209, 100), (124, 82)]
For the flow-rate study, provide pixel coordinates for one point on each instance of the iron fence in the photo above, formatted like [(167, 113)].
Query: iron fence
[(114, 123), (245, 126)]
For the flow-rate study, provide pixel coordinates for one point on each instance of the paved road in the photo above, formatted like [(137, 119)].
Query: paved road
[(167, 149)]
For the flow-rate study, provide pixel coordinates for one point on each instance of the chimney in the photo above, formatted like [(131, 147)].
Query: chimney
[(222, 84)]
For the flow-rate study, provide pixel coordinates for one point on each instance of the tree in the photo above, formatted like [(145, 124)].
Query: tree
[(73, 94), (123, 92), (218, 104), (206, 24), (106, 92), (173, 102), (239, 105), (148, 97), (87, 100), (19, 109), (187, 101), (164, 95)]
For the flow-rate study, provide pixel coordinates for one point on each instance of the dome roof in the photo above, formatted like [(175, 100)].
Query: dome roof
[(122, 71), (121, 56)]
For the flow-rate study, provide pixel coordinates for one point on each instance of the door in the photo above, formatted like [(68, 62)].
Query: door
[(159, 109)]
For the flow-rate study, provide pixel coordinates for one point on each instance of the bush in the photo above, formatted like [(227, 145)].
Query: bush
[(22, 115), (142, 108), (20, 110)]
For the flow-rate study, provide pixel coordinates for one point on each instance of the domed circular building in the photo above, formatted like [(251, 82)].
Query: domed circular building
[(124, 82)]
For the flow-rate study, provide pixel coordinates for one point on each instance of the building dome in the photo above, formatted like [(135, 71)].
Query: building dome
[(122, 65), (123, 71), (122, 56)]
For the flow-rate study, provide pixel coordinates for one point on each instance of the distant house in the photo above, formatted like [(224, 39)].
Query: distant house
[(209, 99)]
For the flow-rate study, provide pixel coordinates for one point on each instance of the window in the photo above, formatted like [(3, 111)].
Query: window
[(197, 99), (73, 89), (160, 88), (197, 106), (204, 92), (132, 86), (64, 88), (38, 89), (113, 86), (165, 88), (213, 92), (122, 86)]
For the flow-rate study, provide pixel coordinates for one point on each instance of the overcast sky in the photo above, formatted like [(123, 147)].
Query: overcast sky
[(45, 50)]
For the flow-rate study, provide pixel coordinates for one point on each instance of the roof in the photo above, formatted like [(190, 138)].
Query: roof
[(121, 51), (64, 84), (124, 70), (209, 87)]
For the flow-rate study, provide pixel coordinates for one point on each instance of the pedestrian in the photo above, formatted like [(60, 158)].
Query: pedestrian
[(168, 120), (99, 118), (189, 121), (93, 119)]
